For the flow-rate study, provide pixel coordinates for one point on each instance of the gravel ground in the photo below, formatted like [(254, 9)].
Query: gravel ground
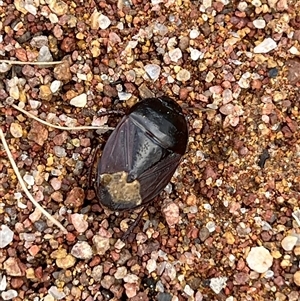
[(227, 227)]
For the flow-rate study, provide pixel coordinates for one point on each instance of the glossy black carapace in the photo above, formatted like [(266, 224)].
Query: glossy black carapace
[(141, 154)]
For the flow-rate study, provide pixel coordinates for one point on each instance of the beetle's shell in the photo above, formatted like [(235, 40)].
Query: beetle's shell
[(141, 154)]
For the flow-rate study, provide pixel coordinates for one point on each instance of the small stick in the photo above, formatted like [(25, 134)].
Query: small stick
[(30, 197), (30, 63), (87, 127)]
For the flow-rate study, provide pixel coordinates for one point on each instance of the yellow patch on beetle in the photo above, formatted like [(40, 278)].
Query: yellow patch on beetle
[(120, 190)]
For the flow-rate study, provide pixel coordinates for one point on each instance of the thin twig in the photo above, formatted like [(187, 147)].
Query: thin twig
[(30, 197), (30, 63), (67, 128)]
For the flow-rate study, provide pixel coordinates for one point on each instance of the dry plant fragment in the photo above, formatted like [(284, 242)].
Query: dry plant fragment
[(10, 62), (29, 195), (106, 128)]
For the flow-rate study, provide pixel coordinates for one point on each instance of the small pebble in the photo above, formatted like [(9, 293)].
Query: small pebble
[(3, 282), (188, 290), (59, 151), (259, 259), (131, 278), (75, 197), (211, 226), (40, 225), (164, 297), (29, 179), (124, 96), (151, 265), (183, 75), (256, 3), (79, 101), (269, 274), (14, 92), (209, 77), (12, 268), (153, 71), (297, 278), (8, 295), (289, 242), (194, 33), (101, 244), (4, 67), (217, 284), (35, 215), (103, 21), (227, 96), (119, 244), (55, 183), (79, 222), (38, 133), (107, 281), (97, 272), (49, 297), (170, 271), (242, 6), (184, 43), (53, 18), (293, 50), (62, 71), (6, 236), (207, 4), (171, 212), (273, 72), (265, 46), (45, 92), (195, 54), (45, 55), (66, 262), (130, 289), (56, 293), (120, 273), (175, 55), (259, 23), (203, 234), (199, 297), (34, 104), (227, 109), (16, 130), (82, 250), (155, 2), (244, 81), (172, 42), (55, 85), (39, 41), (58, 7)]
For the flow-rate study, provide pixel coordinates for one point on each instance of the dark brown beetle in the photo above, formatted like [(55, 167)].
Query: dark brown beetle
[(141, 154)]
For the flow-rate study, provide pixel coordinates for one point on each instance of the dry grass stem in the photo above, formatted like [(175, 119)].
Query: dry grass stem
[(30, 63), (86, 127), (21, 181)]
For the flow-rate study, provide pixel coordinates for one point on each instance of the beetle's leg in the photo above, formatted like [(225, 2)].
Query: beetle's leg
[(111, 112), (134, 224), (94, 158)]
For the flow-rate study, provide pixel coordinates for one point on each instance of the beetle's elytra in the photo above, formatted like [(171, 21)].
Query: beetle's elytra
[(141, 154)]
